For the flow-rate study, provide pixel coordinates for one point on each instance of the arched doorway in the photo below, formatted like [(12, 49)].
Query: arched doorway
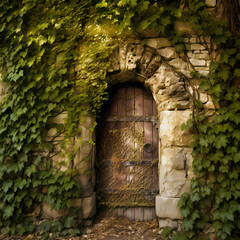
[(127, 156)]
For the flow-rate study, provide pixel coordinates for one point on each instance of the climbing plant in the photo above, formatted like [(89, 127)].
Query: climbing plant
[(39, 50), (53, 58)]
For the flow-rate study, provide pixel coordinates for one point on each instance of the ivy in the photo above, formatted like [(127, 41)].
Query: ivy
[(54, 58)]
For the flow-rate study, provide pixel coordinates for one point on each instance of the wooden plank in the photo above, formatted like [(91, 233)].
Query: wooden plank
[(138, 101), (147, 136), (112, 105), (121, 96), (147, 214), (138, 143), (155, 111), (131, 119), (120, 211), (139, 214), (147, 104), (130, 101), (130, 213)]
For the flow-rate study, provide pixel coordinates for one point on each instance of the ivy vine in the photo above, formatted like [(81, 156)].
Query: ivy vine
[(53, 58)]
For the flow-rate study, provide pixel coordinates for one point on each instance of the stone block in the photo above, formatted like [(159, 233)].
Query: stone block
[(147, 56), (211, 3), (173, 104), (170, 128), (158, 43), (167, 208), (197, 46), (87, 183), (89, 206), (61, 161), (122, 56), (59, 119), (167, 53), (134, 54), (174, 157), (86, 134), (193, 40), (156, 82), (179, 64), (197, 62), (85, 150), (114, 61), (49, 213), (201, 55), (173, 183), (152, 67), (173, 92), (175, 224), (76, 202), (87, 121)]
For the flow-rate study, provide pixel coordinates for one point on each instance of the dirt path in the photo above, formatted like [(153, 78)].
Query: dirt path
[(110, 228)]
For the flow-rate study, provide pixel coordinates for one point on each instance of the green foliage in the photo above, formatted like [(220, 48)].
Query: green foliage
[(37, 51), (53, 58)]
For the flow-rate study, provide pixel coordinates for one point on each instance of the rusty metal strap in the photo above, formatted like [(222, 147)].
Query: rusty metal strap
[(132, 119)]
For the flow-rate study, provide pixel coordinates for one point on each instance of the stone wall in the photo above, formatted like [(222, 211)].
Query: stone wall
[(167, 74), (163, 71)]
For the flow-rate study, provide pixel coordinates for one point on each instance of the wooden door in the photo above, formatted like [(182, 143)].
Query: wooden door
[(127, 156)]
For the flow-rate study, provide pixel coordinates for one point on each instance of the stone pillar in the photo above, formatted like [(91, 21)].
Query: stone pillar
[(84, 165), (175, 166)]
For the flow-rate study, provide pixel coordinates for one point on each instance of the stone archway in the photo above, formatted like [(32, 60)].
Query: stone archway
[(159, 67)]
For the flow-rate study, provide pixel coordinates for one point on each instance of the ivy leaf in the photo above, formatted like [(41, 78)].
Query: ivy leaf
[(8, 211), (221, 141), (185, 212), (237, 72), (7, 185), (187, 224), (30, 170), (236, 157)]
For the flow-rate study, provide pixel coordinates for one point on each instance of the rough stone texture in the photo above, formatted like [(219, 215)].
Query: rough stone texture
[(168, 52), (59, 119), (89, 206), (211, 3), (122, 56), (197, 46), (174, 157), (170, 131), (196, 62), (173, 183), (167, 222), (114, 61), (152, 66), (179, 64), (134, 54), (158, 43), (156, 65), (147, 56), (167, 208), (48, 212)]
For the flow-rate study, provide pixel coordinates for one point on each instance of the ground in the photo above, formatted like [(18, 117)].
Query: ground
[(110, 228)]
